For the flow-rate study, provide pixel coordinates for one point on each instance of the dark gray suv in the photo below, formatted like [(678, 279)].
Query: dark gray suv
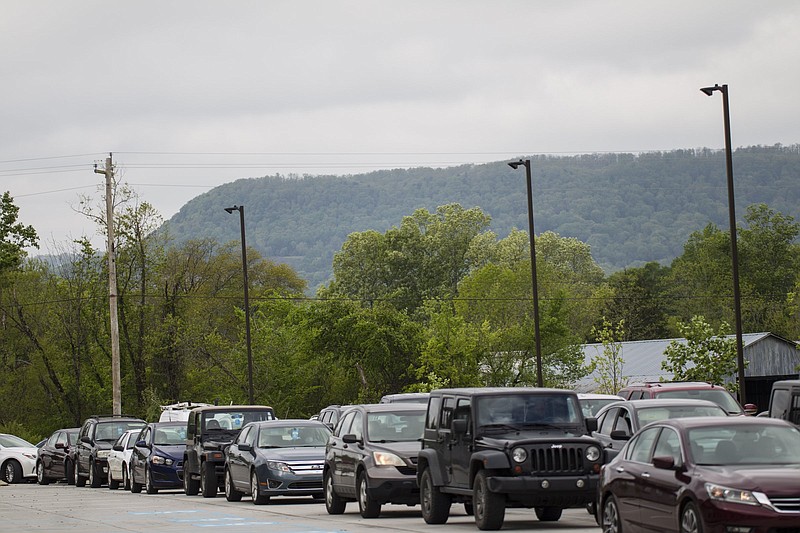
[(492, 448)]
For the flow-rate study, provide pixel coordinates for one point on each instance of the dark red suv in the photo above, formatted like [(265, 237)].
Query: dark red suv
[(688, 390)]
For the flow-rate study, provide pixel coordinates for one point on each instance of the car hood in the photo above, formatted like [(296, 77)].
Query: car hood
[(770, 479), (533, 437), (403, 449), (103, 445), (301, 453), (175, 452)]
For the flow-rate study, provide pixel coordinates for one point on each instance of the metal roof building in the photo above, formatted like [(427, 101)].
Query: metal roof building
[(770, 358)]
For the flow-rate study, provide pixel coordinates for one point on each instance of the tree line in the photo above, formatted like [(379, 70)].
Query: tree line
[(437, 300)]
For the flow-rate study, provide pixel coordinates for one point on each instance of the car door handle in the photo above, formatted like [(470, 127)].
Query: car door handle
[(646, 474), (620, 469)]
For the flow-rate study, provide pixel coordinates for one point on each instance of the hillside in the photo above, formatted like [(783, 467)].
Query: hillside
[(630, 208)]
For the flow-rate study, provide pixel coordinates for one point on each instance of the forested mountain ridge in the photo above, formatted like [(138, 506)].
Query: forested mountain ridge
[(629, 208)]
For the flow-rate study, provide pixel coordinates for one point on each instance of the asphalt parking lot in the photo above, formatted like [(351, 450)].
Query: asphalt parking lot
[(60, 507)]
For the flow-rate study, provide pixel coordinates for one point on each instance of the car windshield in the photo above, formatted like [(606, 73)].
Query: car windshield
[(293, 436), (720, 397), (234, 420), (753, 444), (111, 431), (170, 436), (11, 441), (654, 414), (520, 411), (395, 427)]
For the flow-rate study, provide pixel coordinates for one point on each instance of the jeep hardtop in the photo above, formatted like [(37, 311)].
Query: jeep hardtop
[(209, 431), (492, 448)]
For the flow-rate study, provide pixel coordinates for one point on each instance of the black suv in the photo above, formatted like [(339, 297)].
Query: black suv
[(209, 431), (89, 455), (492, 448), (371, 458)]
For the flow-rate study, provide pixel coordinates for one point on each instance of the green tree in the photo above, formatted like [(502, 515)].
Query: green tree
[(14, 236), (608, 365), (705, 356), (637, 298)]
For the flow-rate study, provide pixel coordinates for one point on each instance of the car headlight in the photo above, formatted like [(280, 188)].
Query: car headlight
[(387, 459), (519, 455), (727, 494), (592, 453), (159, 460), (103, 454), (279, 466)]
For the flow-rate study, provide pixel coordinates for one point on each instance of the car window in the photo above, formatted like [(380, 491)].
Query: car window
[(448, 406), (464, 412), (654, 414), (131, 440), (641, 447), (111, 431), (357, 427), (344, 424), (606, 421), (292, 436), (169, 436), (721, 397), (432, 422), (623, 422), (668, 445), (54, 438), (395, 427)]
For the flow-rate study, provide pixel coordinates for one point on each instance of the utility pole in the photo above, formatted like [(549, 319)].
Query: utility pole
[(112, 288)]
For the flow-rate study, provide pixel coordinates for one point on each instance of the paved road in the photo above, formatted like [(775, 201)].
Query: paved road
[(59, 508)]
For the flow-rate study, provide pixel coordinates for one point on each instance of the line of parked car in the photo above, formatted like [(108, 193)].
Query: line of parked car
[(658, 457)]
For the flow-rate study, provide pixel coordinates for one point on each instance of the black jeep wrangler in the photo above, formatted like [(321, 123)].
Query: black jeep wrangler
[(209, 431), (492, 448)]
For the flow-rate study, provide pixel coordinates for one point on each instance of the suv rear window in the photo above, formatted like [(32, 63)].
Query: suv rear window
[(719, 396)]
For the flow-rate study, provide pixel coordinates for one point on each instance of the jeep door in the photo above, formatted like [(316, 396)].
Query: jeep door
[(461, 445)]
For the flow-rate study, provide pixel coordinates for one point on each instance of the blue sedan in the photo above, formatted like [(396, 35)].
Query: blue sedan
[(276, 458), (157, 458)]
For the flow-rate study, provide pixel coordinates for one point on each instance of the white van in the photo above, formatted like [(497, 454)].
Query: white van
[(178, 412)]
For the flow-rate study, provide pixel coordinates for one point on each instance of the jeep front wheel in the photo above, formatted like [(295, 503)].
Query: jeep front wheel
[(208, 480), (435, 505), (489, 507), (548, 514)]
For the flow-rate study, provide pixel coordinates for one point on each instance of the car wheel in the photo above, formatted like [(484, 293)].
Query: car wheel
[(231, 494), (69, 472), (94, 479), (334, 504), (548, 514), (489, 507), (136, 488), (12, 471), (258, 499), (208, 480), (611, 522), (148, 482), (40, 477), (469, 509), (190, 486), (690, 519), (113, 484), (126, 482), (435, 505), (79, 481), (367, 506)]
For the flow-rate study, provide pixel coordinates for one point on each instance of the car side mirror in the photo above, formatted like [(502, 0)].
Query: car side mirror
[(141, 444), (61, 446), (349, 439), (750, 409), (86, 440), (618, 434), (591, 424), (666, 462), (459, 426), (118, 448), (244, 447)]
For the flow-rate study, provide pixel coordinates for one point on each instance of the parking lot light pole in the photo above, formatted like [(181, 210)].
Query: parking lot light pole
[(737, 305), (230, 210), (538, 343)]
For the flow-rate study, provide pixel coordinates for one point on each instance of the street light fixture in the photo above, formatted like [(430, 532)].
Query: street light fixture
[(230, 210), (737, 306), (527, 164)]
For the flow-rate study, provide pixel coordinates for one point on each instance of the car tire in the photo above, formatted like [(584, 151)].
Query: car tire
[(12, 471), (489, 507), (113, 484), (548, 514), (690, 519), (435, 505), (136, 488), (190, 486), (258, 499), (367, 506), (334, 503), (79, 481), (126, 482), (69, 472), (208, 480), (148, 482), (94, 479), (231, 494), (469, 510), (610, 520), (41, 479)]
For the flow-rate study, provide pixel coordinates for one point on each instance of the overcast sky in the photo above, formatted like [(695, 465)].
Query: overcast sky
[(189, 95)]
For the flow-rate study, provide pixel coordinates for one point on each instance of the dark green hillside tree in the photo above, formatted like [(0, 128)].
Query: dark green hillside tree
[(425, 257), (635, 298), (14, 236)]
